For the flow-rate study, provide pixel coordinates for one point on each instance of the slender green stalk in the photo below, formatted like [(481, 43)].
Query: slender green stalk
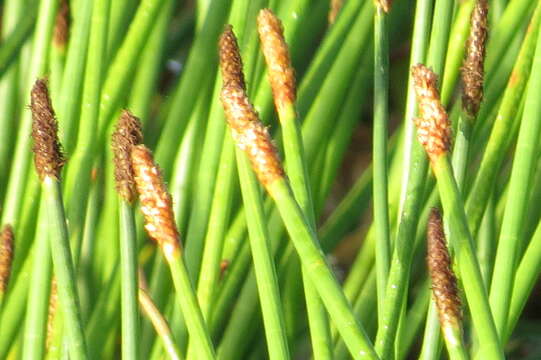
[(38, 294), (511, 235), (128, 267), (160, 324), (63, 266), (319, 271), (379, 151)]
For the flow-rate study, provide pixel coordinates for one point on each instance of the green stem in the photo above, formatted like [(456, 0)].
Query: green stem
[(190, 307), (511, 235), (63, 267), (379, 154), (312, 258), (128, 268)]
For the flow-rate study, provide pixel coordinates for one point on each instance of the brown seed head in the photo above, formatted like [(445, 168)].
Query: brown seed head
[(444, 288), (275, 49), (156, 203), (6, 256), (250, 135), (334, 10), (48, 156), (433, 128), (385, 5), (473, 68), (230, 60), (128, 133), (62, 25)]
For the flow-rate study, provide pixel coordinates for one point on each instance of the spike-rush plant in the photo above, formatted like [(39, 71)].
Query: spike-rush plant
[(253, 179)]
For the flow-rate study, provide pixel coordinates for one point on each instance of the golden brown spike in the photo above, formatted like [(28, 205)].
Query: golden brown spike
[(6, 256), (433, 128), (128, 133), (156, 203), (275, 49), (62, 25), (230, 60), (250, 135), (473, 68), (385, 5), (48, 156), (336, 5), (444, 289)]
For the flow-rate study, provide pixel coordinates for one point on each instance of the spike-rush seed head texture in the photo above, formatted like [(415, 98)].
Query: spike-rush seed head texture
[(127, 134), (275, 49), (444, 288), (230, 59), (433, 128), (250, 135), (156, 204), (473, 68), (6, 256), (48, 157)]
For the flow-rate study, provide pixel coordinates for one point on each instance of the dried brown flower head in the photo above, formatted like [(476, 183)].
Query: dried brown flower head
[(250, 135), (444, 288), (128, 133), (6, 256), (334, 10), (230, 59), (156, 203), (62, 25), (48, 156), (275, 49), (433, 128), (473, 68)]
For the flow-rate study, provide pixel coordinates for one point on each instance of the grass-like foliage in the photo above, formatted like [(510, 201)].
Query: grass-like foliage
[(270, 179)]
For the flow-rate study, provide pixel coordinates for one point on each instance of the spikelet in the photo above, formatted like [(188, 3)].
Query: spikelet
[(230, 60), (48, 157), (62, 25), (473, 68), (128, 133), (250, 135), (444, 288), (433, 128), (156, 203), (6, 256), (275, 49)]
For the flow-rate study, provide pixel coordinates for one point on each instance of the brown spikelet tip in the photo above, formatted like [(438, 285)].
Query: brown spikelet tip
[(156, 203), (51, 314), (444, 288), (385, 5), (250, 135), (433, 128), (127, 134), (6, 256), (275, 49), (473, 67), (48, 156), (62, 24), (334, 10), (230, 59)]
